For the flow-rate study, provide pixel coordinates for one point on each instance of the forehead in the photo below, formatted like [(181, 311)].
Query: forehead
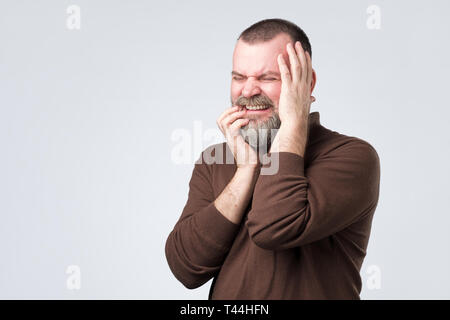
[(254, 59)]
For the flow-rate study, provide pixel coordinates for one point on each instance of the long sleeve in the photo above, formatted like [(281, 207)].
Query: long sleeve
[(200, 240), (292, 207)]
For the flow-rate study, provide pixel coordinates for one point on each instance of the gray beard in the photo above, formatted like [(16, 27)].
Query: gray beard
[(260, 134)]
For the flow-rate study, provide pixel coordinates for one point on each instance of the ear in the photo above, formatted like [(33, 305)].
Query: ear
[(313, 80)]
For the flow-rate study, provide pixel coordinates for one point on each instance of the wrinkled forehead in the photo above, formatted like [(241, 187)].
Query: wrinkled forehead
[(257, 58)]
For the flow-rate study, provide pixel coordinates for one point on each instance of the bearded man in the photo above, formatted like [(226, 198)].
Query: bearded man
[(300, 232)]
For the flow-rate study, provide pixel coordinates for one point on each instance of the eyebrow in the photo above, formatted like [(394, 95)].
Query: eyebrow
[(268, 73)]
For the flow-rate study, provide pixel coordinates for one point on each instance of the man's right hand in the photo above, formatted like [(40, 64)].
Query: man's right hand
[(230, 122)]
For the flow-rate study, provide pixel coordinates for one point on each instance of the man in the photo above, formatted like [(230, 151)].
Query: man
[(299, 233)]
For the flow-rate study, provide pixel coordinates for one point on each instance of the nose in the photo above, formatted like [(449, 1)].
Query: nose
[(251, 88)]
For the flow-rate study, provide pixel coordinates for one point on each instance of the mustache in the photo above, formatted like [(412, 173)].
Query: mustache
[(255, 100)]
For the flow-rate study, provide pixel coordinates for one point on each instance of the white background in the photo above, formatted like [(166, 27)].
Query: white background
[(86, 174)]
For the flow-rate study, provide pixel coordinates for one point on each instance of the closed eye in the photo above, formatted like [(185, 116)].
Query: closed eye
[(264, 79)]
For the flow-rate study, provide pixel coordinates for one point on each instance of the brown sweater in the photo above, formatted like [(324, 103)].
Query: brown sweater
[(304, 234)]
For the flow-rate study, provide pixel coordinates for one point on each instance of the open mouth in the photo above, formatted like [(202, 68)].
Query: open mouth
[(257, 108)]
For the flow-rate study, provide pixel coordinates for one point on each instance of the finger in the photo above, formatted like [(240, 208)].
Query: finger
[(309, 78), (304, 63), (229, 111), (233, 131), (295, 63), (226, 113), (232, 117), (284, 70), (239, 123)]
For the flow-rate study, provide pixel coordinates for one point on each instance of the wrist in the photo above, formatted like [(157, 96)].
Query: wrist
[(249, 174), (249, 169), (292, 138), (292, 127)]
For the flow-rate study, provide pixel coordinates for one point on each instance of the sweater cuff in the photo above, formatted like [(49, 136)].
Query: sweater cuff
[(216, 227), (288, 163)]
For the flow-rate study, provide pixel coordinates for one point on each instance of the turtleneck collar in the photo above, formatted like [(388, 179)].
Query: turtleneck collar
[(313, 119)]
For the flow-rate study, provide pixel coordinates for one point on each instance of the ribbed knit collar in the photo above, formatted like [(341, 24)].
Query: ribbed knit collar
[(314, 119)]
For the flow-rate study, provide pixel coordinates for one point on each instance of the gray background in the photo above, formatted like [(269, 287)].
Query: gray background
[(87, 116)]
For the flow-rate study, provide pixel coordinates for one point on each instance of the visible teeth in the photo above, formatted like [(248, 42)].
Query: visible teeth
[(256, 107)]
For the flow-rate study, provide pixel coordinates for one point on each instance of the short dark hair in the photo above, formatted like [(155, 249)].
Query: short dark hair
[(267, 29)]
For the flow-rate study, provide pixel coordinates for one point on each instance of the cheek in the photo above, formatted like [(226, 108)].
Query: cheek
[(235, 92), (273, 92)]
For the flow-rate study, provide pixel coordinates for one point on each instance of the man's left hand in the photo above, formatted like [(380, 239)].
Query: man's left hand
[(295, 100)]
